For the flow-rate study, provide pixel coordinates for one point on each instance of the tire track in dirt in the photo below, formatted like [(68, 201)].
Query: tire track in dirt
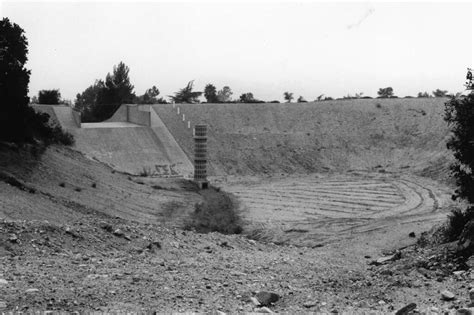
[(311, 210)]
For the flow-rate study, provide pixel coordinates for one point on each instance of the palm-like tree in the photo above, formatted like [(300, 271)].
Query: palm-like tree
[(186, 95), (288, 97)]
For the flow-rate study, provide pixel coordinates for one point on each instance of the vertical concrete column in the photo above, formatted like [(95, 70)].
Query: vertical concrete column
[(177, 110), (200, 156), (184, 118)]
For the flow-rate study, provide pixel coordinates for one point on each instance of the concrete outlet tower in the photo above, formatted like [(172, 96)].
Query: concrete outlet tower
[(200, 156)]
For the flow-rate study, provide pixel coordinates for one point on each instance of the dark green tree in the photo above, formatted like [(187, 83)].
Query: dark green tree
[(423, 95), (52, 97), (115, 91), (210, 93), (18, 121), (302, 100), (85, 100), (224, 95), (247, 98), (186, 94), (385, 92), (150, 97), (440, 93), (459, 113), (288, 97)]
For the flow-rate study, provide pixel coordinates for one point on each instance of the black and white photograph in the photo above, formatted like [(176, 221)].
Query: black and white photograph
[(236, 157)]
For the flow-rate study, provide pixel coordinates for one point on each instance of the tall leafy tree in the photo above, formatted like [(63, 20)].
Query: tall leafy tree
[(288, 97), (150, 97), (186, 94), (18, 121), (247, 98), (224, 95), (423, 94), (440, 93), (109, 94), (210, 93), (52, 97), (385, 92), (459, 114), (87, 99)]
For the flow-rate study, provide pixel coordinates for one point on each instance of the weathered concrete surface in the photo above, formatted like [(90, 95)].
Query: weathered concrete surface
[(113, 124), (65, 116), (62, 115), (133, 148)]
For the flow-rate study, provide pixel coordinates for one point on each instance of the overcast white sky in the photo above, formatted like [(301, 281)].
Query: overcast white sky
[(267, 48)]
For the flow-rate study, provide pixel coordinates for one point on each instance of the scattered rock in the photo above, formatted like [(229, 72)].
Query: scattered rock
[(119, 233), (412, 234), (3, 305), (152, 246), (225, 245), (69, 231), (13, 238), (265, 310), (447, 295), (385, 259), (267, 298), (254, 301), (31, 291), (465, 311), (458, 273), (470, 262), (471, 295), (310, 304), (106, 226), (406, 309), (3, 282)]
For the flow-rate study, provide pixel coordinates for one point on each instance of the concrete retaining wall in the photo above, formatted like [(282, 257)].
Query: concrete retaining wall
[(76, 115), (120, 115), (138, 116)]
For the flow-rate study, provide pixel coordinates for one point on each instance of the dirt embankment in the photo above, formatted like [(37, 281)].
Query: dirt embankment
[(104, 245), (61, 185), (259, 139)]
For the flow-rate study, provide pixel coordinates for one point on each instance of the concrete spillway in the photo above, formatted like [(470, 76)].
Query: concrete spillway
[(134, 140)]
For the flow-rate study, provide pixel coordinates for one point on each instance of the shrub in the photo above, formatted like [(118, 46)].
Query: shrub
[(146, 172), (456, 220), (218, 213), (459, 113), (59, 135)]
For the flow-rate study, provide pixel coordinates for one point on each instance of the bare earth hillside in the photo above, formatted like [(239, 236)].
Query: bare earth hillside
[(248, 139), (335, 198)]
